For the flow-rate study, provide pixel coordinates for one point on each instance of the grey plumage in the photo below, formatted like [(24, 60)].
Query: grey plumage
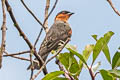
[(58, 31)]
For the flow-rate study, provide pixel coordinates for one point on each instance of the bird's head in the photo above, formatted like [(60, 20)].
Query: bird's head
[(63, 16)]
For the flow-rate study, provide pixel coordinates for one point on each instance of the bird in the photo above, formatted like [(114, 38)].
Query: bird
[(59, 32)]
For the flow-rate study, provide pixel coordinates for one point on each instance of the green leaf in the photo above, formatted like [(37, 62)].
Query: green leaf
[(71, 47), (107, 53), (60, 78), (86, 53), (115, 73), (70, 63), (101, 44), (105, 49), (52, 75), (64, 59), (108, 35), (78, 55), (97, 49), (116, 60), (95, 37), (74, 66), (106, 75)]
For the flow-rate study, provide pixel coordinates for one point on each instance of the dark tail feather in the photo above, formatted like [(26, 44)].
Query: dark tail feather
[(38, 66), (29, 67)]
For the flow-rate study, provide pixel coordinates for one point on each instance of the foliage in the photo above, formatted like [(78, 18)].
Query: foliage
[(73, 61)]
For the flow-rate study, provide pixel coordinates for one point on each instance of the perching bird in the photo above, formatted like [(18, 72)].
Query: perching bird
[(59, 31)]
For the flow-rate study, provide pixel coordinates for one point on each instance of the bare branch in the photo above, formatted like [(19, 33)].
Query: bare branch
[(32, 13), (31, 74), (21, 32), (31, 61), (3, 28), (50, 12), (91, 73), (115, 10), (61, 67), (19, 53), (50, 59), (46, 27), (45, 21), (38, 37), (16, 24), (46, 13), (96, 74), (21, 58)]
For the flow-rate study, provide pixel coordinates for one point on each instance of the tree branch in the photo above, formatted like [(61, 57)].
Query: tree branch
[(46, 14), (43, 66), (32, 13), (21, 32), (45, 21), (3, 28), (50, 12), (21, 58), (115, 10), (46, 27), (96, 74), (16, 24), (61, 67), (19, 53), (91, 73)]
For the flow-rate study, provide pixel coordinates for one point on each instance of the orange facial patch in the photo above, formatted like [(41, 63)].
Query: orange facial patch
[(62, 17)]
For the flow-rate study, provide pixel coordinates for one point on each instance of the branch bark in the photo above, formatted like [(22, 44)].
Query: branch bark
[(21, 32), (3, 28), (115, 10), (46, 14), (19, 53), (21, 58), (61, 67), (32, 13)]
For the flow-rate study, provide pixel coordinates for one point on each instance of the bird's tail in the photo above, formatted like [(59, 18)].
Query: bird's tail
[(36, 65)]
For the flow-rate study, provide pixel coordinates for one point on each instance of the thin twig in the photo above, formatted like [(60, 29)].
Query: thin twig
[(31, 74), (115, 10), (21, 32), (46, 27), (45, 21), (50, 59), (19, 53), (61, 67), (16, 24), (31, 61), (96, 74), (46, 13), (31, 13), (38, 37), (50, 12), (35, 19), (40, 34), (21, 58), (3, 28)]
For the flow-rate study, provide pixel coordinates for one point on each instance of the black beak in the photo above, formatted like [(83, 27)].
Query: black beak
[(71, 14)]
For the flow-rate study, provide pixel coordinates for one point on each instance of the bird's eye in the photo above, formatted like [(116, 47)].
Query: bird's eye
[(63, 12)]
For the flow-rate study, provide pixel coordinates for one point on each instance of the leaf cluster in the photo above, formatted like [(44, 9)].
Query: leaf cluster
[(73, 61)]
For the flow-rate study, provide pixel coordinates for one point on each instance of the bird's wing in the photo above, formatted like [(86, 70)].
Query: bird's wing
[(56, 34)]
